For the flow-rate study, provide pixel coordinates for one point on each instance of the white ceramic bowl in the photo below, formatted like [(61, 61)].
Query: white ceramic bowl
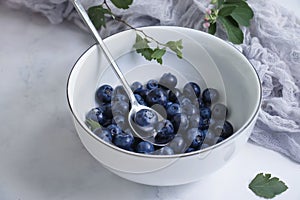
[(208, 61)]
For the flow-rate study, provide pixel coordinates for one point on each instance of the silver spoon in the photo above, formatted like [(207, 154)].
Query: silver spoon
[(148, 132)]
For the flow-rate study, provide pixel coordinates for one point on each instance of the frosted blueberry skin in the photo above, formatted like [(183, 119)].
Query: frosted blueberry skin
[(194, 138), (191, 90), (152, 84), (157, 96), (210, 95), (164, 151), (140, 99), (174, 95), (205, 113), (114, 129), (219, 111), (104, 93), (173, 109), (124, 141), (136, 86), (165, 132), (178, 144), (103, 134), (145, 117), (168, 81), (145, 147), (191, 124)]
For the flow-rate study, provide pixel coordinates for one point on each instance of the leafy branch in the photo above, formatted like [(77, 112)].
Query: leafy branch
[(142, 46), (231, 14)]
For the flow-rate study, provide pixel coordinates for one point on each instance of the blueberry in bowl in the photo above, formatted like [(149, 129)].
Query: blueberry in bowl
[(208, 142)]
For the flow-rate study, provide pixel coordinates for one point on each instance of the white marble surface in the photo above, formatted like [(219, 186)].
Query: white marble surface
[(41, 155)]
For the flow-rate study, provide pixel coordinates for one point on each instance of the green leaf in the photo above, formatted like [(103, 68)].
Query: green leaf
[(226, 10), (122, 3), (92, 124), (97, 15), (267, 187), (175, 46), (242, 14), (140, 43), (220, 3), (235, 35), (146, 53), (234, 1), (212, 28), (158, 53)]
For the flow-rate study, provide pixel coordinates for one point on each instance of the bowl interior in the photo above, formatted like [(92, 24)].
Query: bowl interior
[(229, 72)]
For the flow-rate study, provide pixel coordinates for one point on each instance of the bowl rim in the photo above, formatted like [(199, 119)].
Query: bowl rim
[(210, 148)]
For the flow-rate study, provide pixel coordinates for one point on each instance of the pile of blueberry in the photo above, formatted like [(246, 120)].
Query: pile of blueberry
[(194, 119)]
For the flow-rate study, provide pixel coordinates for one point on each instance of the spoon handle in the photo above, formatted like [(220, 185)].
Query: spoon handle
[(80, 9)]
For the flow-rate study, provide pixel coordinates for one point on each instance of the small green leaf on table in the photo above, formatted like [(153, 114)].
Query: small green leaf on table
[(267, 187), (124, 4)]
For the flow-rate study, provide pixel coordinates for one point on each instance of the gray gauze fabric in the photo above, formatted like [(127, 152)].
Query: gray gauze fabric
[(272, 44)]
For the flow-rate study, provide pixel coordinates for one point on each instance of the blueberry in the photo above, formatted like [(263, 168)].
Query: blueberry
[(173, 109), (200, 102), (180, 122), (157, 96), (188, 107), (145, 147), (191, 90), (143, 93), (163, 136), (190, 149), (174, 94), (194, 121), (119, 90), (204, 123), (165, 124), (205, 113), (210, 95), (140, 99), (194, 138), (204, 145), (120, 108), (123, 141), (145, 117), (136, 86), (104, 93), (218, 139), (152, 84), (103, 134), (224, 130), (97, 115), (219, 111), (114, 129), (209, 137), (164, 151), (120, 97), (178, 144), (168, 80), (121, 121), (107, 110)]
